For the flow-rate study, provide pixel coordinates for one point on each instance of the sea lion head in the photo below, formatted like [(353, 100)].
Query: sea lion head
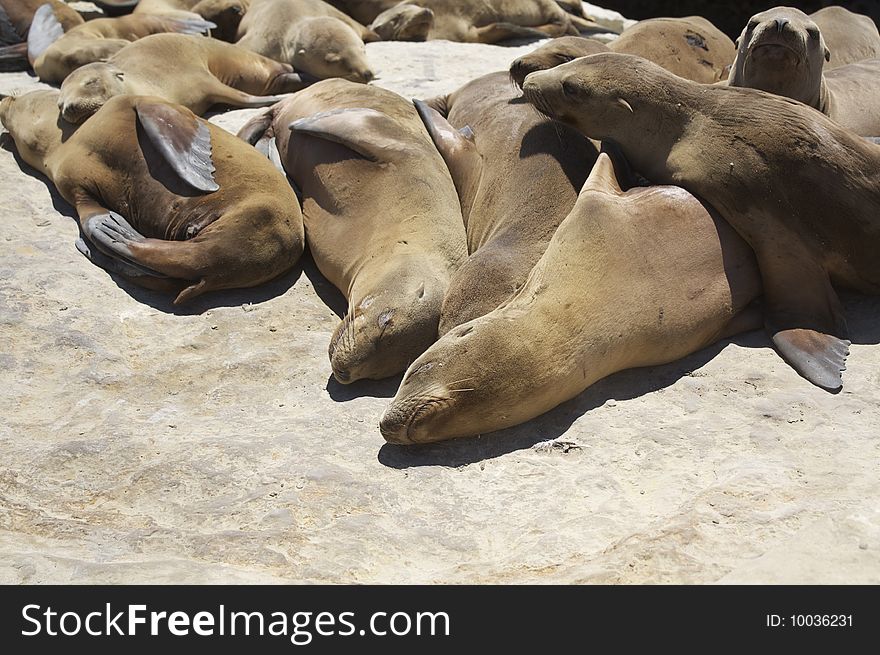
[(33, 121), (595, 94), (326, 47), (554, 53), (404, 22), (781, 51), (86, 90), (386, 329)]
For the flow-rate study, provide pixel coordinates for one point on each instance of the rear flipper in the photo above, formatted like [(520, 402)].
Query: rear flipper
[(589, 26), (114, 237), (820, 358), (113, 265), (495, 32), (14, 58), (290, 83)]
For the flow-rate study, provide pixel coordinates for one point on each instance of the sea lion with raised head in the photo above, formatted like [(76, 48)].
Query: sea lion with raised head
[(207, 72), (560, 50), (312, 36), (849, 36), (381, 213), (630, 278), (164, 198), (95, 40), (801, 190), (16, 17), (783, 51), (517, 174)]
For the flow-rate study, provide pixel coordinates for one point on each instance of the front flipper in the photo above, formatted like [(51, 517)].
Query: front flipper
[(183, 141), (368, 132), (803, 314), (45, 30)]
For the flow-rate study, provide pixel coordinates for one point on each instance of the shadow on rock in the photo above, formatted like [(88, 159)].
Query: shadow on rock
[(342, 393)]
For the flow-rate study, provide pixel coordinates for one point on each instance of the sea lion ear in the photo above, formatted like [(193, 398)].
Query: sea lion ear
[(603, 177), (183, 141), (367, 132), (827, 54), (44, 31), (455, 146)]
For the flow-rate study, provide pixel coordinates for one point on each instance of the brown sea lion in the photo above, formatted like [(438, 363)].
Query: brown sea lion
[(164, 198), (557, 51), (382, 217), (783, 51), (15, 22), (517, 174), (310, 35), (849, 36), (491, 21), (801, 190), (225, 14), (95, 40), (635, 278), (691, 47), (207, 72)]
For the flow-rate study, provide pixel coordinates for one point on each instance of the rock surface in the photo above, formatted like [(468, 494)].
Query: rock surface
[(142, 443)]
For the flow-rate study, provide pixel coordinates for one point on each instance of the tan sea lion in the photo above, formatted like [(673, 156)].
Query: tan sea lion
[(801, 190), (849, 36), (164, 198), (312, 36), (783, 51), (491, 21), (504, 147), (95, 40), (557, 51), (404, 22), (635, 278), (690, 47), (207, 72), (15, 22), (225, 14), (382, 217)]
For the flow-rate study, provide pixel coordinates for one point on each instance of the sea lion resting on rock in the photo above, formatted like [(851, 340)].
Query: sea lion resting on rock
[(207, 72), (382, 217), (782, 51), (312, 36), (849, 36), (225, 14), (163, 198), (690, 47), (630, 279), (95, 40), (491, 21), (15, 22), (801, 190), (517, 174)]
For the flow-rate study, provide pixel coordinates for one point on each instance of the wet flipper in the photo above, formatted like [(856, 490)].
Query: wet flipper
[(45, 30), (113, 265), (183, 140), (367, 132), (820, 358)]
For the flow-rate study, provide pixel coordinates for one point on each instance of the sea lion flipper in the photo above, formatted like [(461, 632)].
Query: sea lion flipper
[(820, 358), (457, 147), (45, 30), (113, 236), (195, 25), (183, 140), (369, 133), (111, 264)]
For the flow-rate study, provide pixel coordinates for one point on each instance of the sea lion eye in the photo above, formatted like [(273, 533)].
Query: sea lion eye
[(569, 88)]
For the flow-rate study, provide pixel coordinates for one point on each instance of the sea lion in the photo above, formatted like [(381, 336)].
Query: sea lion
[(635, 278), (310, 35), (801, 190), (849, 36), (557, 51), (506, 146), (690, 47), (404, 22), (783, 51), (207, 72), (95, 40), (225, 14), (491, 21), (164, 198), (381, 213), (15, 22)]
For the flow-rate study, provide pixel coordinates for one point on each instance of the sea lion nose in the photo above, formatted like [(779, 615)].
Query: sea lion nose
[(780, 24)]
